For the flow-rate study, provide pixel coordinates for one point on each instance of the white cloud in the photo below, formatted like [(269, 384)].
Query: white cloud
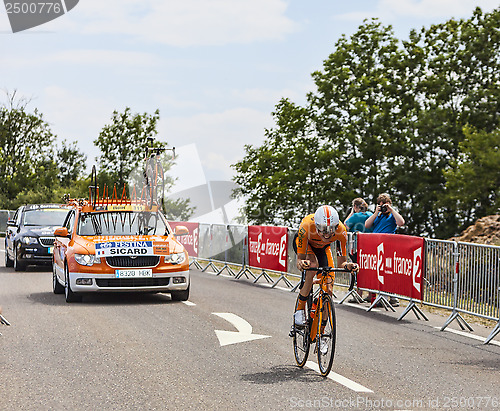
[(76, 117), (187, 22), (219, 137)]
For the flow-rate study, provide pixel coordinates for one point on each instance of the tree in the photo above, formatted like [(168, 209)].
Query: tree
[(386, 116), (124, 146), (286, 176), (26, 152), (473, 180), (71, 163)]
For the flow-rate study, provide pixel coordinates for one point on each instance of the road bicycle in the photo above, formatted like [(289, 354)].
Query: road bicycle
[(154, 176), (320, 328)]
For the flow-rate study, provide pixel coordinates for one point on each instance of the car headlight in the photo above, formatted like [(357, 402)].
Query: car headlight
[(87, 259), (29, 240), (176, 258)]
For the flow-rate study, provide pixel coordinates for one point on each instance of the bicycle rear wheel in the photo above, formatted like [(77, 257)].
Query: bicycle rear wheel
[(326, 336), (301, 341)]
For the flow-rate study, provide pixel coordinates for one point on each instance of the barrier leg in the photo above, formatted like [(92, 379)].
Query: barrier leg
[(455, 315), (244, 271), (285, 280), (196, 264), (355, 295), (227, 268), (265, 275), (495, 331), (212, 266), (416, 310), (381, 298)]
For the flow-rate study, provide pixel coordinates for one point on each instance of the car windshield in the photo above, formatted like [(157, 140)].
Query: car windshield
[(112, 223), (45, 216)]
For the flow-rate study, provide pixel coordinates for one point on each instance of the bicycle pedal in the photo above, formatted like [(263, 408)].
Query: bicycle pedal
[(292, 332)]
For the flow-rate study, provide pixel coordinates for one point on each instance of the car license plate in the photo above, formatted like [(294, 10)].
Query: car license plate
[(147, 272)]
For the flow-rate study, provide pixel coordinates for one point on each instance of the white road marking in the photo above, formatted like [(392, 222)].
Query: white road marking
[(346, 382), (466, 334), (189, 303), (243, 334)]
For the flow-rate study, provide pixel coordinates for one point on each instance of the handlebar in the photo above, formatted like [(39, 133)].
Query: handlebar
[(326, 270)]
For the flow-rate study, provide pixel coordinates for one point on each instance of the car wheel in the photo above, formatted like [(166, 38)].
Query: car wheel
[(18, 266), (56, 285), (71, 297), (8, 261), (180, 295)]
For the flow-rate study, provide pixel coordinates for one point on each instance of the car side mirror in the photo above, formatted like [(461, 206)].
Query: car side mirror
[(12, 222), (181, 230), (61, 232)]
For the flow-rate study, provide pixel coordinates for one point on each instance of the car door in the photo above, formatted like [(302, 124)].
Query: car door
[(61, 244)]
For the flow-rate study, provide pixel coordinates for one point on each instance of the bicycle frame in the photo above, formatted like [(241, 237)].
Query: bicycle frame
[(326, 279)]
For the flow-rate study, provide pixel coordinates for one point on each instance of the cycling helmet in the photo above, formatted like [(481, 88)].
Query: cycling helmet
[(326, 219)]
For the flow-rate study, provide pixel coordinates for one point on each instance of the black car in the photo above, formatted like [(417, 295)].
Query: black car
[(29, 238)]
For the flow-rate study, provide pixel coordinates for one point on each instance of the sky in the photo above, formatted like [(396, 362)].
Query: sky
[(214, 68)]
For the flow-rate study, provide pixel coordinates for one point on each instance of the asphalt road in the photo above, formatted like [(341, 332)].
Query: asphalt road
[(135, 351)]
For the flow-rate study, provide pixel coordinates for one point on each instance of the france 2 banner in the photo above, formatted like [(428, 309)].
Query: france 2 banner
[(268, 247), (191, 240), (392, 263)]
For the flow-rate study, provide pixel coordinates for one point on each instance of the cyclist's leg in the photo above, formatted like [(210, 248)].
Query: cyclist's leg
[(328, 256), (308, 281)]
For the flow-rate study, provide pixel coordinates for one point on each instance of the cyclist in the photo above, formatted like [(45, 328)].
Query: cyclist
[(312, 244)]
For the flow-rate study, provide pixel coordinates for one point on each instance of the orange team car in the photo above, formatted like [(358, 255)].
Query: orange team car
[(111, 247)]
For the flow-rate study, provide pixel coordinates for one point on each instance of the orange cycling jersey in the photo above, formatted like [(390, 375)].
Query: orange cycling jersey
[(308, 235)]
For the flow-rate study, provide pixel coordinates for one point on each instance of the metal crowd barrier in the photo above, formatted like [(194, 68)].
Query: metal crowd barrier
[(4, 216), (461, 277)]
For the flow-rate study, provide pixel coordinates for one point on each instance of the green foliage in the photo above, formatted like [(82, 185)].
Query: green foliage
[(280, 178), (71, 163), (473, 179), (388, 116), (123, 145)]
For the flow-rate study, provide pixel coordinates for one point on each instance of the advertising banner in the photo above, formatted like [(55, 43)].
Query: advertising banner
[(267, 247), (191, 240), (392, 263)]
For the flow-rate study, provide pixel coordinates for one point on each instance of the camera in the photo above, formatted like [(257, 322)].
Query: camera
[(383, 208)]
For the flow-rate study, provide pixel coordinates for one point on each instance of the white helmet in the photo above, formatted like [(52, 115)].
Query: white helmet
[(326, 219)]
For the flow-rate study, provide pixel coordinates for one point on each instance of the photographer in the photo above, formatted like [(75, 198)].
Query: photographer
[(385, 219)]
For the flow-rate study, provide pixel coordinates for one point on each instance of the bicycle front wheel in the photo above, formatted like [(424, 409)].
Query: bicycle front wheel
[(326, 336), (301, 341)]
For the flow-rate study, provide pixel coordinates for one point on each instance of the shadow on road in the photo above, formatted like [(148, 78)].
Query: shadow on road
[(104, 299), (282, 373)]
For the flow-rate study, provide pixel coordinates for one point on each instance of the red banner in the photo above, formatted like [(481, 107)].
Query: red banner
[(268, 247), (392, 263), (190, 241)]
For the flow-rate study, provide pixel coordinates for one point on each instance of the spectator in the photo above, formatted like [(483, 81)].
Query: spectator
[(385, 219), (355, 222)]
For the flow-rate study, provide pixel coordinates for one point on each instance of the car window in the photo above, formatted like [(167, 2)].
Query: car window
[(122, 223), (70, 221), (45, 216), (17, 216)]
